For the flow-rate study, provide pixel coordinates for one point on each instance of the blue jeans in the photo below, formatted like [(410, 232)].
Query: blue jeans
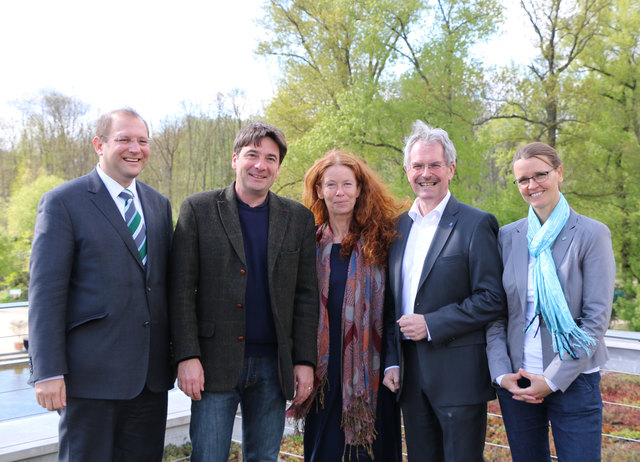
[(576, 423), (259, 394)]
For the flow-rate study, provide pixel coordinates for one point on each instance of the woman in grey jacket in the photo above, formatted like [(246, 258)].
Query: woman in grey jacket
[(546, 355)]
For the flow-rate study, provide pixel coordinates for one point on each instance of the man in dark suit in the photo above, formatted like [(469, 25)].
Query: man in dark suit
[(98, 317), (444, 281), (244, 303)]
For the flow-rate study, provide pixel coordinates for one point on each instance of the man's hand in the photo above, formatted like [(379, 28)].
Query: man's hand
[(303, 376), (534, 393), (52, 394), (413, 326), (392, 379), (191, 378)]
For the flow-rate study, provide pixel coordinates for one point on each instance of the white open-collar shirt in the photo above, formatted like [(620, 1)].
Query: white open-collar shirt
[(415, 252)]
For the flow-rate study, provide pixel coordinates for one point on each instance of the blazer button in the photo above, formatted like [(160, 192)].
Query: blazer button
[(243, 272), (241, 339), (239, 305), (146, 324)]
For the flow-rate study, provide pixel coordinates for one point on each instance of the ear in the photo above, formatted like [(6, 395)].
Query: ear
[(319, 192), (97, 145), (452, 170), (559, 170), (234, 160)]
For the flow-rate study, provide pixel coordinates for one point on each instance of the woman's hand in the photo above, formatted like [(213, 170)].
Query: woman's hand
[(535, 392)]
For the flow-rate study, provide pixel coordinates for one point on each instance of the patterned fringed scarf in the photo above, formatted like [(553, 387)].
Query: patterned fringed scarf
[(548, 295), (361, 342)]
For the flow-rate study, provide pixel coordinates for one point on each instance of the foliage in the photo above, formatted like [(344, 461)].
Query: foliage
[(407, 61), (355, 74), (15, 244), (23, 205)]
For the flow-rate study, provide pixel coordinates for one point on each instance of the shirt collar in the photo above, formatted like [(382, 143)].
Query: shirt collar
[(113, 186), (435, 214)]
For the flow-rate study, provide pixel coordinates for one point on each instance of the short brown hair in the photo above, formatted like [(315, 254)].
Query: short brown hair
[(253, 134)]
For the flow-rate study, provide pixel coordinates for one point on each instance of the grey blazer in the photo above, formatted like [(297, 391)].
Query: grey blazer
[(586, 269), (207, 286), (96, 314)]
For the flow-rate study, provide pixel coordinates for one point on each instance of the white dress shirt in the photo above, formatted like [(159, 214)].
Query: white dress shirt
[(116, 188), (415, 252)]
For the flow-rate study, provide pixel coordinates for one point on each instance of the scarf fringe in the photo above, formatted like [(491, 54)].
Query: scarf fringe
[(361, 419), (567, 341)]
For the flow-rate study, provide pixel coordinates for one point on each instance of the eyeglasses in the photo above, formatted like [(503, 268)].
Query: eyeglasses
[(538, 178), (125, 140)]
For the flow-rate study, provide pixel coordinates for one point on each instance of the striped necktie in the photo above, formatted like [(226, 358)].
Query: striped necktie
[(134, 222)]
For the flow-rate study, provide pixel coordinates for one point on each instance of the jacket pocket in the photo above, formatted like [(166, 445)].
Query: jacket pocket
[(79, 322)]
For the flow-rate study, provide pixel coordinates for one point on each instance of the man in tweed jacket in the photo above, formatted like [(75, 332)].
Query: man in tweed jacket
[(244, 303)]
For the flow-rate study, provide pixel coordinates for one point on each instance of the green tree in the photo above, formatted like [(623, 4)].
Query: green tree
[(409, 60), (15, 243), (541, 98), (604, 149), (56, 136)]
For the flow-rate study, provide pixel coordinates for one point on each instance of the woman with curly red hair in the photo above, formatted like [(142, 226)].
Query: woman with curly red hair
[(349, 413)]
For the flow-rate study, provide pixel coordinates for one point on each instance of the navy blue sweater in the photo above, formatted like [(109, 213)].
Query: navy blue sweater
[(261, 333)]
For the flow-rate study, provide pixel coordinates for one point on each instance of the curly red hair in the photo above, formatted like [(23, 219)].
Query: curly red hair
[(375, 212)]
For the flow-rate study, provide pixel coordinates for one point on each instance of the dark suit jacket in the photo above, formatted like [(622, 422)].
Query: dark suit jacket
[(96, 314), (459, 293), (586, 270), (208, 284)]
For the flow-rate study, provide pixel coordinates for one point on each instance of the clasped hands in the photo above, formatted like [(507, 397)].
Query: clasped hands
[(533, 394)]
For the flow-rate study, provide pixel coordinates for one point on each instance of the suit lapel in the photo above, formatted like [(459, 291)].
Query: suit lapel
[(445, 227), (278, 223), (228, 210), (563, 241), (396, 255), (101, 198)]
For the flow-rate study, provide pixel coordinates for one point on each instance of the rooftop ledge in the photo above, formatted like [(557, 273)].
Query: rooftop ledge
[(36, 438)]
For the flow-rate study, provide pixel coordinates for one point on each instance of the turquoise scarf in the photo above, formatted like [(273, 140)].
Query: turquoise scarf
[(548, 295)]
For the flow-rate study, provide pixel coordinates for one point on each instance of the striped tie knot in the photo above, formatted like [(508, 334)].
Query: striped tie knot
[(133, 220)]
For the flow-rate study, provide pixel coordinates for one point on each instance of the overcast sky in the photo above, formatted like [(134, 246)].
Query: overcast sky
[(150, 55)]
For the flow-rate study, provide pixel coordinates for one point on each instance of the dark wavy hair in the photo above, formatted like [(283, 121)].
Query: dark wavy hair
[(375, 212)]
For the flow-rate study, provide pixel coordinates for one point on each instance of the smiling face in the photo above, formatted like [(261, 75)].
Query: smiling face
[(123, 161), (257, 167), (542, 196), (339, 191), (428, 174)]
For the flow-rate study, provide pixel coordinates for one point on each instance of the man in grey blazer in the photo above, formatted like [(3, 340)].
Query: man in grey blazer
[(244, 303), (98, 317), (444, 282)]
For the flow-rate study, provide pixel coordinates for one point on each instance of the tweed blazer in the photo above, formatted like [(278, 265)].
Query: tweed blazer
[(208, 286), (97, 315), (586, 268)]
